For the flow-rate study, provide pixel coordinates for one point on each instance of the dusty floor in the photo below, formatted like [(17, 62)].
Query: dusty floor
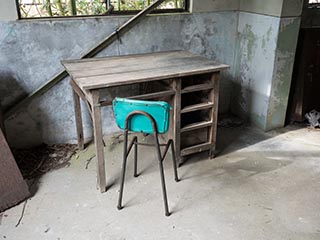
[(261, 186)]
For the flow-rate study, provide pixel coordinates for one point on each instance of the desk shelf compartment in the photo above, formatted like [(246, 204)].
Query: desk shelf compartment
[(197, 114), (194, 142), (195, 101)]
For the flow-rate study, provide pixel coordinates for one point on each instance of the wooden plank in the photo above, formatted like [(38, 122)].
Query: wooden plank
[(138, 64), (124, 60), (195, 149), (195, 126), (98, 139), (13, 188), (161, 94), (144, 96), (78, 119), (119, 79), (214, 97), (76, 88), (140, 69), (91, 53), (197, 107), (176, 85), (198, 87)]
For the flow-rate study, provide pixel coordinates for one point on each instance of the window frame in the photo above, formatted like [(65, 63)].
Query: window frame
[(186, 9)]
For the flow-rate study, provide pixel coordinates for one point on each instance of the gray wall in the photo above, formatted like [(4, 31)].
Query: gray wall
[(31, 51), (213, 6), (256, 38), (8, 10), (265, 54)]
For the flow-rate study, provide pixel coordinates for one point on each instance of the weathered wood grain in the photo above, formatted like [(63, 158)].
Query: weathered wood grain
[(78, 119), (98, 139), (176, 85), (214, 97), (13, 188), (117, 71)]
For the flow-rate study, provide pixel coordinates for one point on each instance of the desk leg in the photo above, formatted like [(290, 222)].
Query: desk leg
[(214, 97), (177, 118), (78, 118), (98, 140)]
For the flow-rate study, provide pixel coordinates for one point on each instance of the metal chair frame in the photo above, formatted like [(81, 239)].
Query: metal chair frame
[(160, 156)]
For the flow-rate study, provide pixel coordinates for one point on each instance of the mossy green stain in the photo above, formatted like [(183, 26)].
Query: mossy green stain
[(250, 39), (286, 47), (288, 36), (266, 38)]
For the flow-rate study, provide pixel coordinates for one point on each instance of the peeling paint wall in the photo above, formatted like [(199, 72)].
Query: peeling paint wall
[(257, 42), (255, 63), (282, 74), (265, 57), (31, 51)]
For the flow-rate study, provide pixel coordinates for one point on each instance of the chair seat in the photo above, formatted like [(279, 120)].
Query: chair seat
[(157, 109)]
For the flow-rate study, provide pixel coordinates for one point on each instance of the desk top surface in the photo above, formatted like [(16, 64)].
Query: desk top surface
[(96, 73)]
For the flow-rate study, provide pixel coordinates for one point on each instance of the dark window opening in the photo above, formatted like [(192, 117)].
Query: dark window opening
[(314, 4)]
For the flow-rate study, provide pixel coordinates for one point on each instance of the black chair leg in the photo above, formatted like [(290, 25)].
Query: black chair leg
[(135, 174), (175, 168), (124, 164), (164, 191), (163, 181)]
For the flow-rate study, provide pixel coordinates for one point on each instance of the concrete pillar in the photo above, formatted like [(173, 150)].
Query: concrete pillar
[(268, 33), (8, 10)]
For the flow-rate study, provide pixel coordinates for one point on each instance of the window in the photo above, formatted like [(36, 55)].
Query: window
[(314, 3), (65, 8)]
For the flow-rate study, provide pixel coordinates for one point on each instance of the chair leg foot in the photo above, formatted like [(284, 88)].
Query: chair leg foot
[(120, 207), (168, 214), (124, 165), (174, 160)]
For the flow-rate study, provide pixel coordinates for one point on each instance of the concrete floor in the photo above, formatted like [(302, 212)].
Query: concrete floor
[(261, 186)]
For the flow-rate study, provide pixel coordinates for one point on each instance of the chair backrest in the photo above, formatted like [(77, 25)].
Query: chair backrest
[(158, 110)]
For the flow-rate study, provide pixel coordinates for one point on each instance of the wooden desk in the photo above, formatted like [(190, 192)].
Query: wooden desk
[(183, 74)]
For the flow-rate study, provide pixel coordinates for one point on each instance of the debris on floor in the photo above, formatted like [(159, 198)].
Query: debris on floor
[(230, 121), (34, 162), (313, 118)]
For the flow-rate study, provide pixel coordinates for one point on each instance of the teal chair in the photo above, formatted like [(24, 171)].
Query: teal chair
[(148, 117)]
